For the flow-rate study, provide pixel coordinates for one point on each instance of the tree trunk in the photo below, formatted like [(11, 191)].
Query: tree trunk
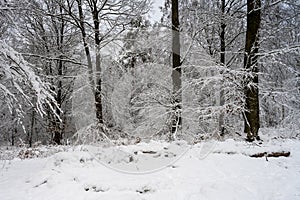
[(58, 130), (98, 89), (250, 63), (32, 128), (176, 72), (96, 86), (57, 124), (14, 130), (222, 60), (13, 135), (85, 44)]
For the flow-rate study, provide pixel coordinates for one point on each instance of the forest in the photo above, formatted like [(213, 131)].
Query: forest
[(105, 69)]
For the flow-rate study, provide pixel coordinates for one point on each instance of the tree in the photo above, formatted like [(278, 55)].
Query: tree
[(51, 43), (222, 61), (176, 72), (48, 42), (100, 22), (215, 28), (252, 123), (14, 72)]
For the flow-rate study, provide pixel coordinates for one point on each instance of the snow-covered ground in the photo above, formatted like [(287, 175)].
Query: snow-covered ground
[(157, 170)]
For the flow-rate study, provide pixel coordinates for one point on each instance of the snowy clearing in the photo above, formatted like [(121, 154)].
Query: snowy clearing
[(205, 171)]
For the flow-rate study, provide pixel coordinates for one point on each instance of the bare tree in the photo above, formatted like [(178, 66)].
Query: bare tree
[(176, 72), (222, 61), (101, 21), (252, 123)]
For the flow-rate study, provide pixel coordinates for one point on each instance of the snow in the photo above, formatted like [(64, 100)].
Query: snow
[(208, 171)]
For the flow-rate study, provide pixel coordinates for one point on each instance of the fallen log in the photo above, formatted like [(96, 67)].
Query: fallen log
[(149, 152), (272, 154)]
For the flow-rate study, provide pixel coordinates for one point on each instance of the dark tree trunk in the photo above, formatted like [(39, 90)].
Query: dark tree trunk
[(57, 123), (222, 60), (13, 134), (98, 89), (58, 129), (14, 130), (250, 63), (85, 44), (32, 128), (95, 84), (176, 72)]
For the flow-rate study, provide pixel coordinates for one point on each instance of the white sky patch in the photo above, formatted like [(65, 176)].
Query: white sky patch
[(156, 14)]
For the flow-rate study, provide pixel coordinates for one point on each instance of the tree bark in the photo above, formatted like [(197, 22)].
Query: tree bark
[(32, 128), (14, 130), (58, 129), (250, 64), (98, 89), (222, 60), (96, 85), (57, 123), (176, 72)]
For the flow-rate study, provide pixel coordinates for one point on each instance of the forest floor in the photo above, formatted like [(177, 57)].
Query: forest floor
[(209, 170)]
